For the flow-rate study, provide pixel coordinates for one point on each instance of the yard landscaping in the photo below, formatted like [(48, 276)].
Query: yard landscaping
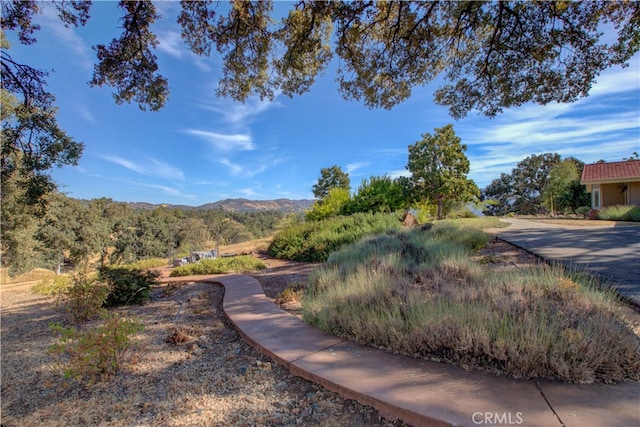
[(421, 293), (189, 366)]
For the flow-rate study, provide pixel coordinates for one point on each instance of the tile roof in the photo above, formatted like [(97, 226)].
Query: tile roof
[(629, 169)]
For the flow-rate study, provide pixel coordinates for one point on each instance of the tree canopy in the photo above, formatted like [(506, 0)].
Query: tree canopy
[(492, 55), (332, 177), (539, 182)]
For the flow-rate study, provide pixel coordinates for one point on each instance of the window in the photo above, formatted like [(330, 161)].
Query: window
[(595, 198)]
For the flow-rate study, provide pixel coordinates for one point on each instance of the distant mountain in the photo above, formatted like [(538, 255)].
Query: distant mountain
[(244, 205), (237, 205)]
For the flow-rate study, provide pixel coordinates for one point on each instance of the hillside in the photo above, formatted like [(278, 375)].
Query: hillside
[(245, 205), (238, 205)]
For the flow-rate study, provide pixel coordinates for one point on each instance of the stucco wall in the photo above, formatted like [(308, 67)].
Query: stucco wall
[(611, 195), (634, 193)]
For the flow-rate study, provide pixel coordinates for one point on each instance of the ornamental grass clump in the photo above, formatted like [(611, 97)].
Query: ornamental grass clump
[(620, 213), (419, 293)]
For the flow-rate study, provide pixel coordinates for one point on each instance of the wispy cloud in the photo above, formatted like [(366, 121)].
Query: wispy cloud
[(169, 191), (352, 167), (234, 168), (68, 37), (225, 142), (84, 112), (170, 43), (589, 129), (210, 182), (238, 114), (249, 193), (617, 81), (153, 167)]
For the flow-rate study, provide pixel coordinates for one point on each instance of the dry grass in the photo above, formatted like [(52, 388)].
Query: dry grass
[(34, 275), (417, 295)]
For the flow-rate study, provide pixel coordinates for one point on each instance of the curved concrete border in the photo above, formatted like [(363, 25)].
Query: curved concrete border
[(417, 391)]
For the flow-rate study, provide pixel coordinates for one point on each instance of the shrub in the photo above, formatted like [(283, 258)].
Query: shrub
[(81, 293), (620, 213), (52, 285), (238, 264), (314, 241), (583, 211), (420, 294), (128, 285), (97, 353), (150, 263)]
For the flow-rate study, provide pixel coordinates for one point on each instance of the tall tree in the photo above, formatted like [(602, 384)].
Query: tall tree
[(530, 178), (439, 168), (19, 246), (32, 144), (333, 177), (60, 229), (499, 195), (538, 182), (32, 141)]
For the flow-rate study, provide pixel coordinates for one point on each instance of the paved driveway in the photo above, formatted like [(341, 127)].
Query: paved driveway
[(610, 252)]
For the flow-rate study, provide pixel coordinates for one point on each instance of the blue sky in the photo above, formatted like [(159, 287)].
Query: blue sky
[(201, 148)]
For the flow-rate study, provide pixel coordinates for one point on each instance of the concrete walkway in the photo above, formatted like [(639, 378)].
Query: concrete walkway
[(613, 253), (419, 392)]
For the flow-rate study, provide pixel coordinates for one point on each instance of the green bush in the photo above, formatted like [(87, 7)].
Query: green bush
[(620, 213), (52, 285), (128, 285), (419, 293), (583, 211), (81, 293), (238, 264), (96, 353), (314, 241), (86, 296)]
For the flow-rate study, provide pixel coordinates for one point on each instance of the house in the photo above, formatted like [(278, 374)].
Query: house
[(614, 183)]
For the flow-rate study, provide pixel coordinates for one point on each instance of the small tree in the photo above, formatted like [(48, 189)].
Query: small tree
[(333, 177), (439, 168), (561, 176)]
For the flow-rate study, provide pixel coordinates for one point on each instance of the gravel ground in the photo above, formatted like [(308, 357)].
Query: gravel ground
[(210, 377)]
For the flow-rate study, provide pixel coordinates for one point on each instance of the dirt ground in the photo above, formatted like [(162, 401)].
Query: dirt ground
[(208, 377)]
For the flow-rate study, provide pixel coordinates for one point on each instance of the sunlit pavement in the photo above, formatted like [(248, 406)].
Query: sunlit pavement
[(610, 252)]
